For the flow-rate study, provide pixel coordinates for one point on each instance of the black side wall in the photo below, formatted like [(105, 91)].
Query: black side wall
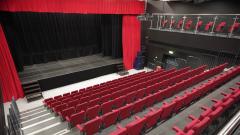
[(2, 117), (210, 50)]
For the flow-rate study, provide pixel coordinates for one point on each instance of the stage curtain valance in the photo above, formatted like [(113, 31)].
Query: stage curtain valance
[(74, 6)]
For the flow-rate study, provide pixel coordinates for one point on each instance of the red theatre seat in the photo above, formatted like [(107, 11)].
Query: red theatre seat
[(91, 126), (77, 118), (135, 127), (119, 131), (234, 27), (150, 100), (172, 23), (167, 110), (200, 126), (140, 94), (192, 123), (188, 24), (54, 104), (106, 107), (57, 97), (125, 111), (179, 25), (152, 117), (66, 94), (199, 24), (94, 102), (216, 113), (206, 112), (59, 108), (179, 104), (138, 105), (106, 98), (81, 107), (73, 103), (110, 118), (67, 112), (92, 112), (164, 23), (130, 97), (220, 26), (208, 26), (119, 102)]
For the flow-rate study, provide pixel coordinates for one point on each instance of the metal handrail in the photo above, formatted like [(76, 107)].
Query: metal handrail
[(231, 125)]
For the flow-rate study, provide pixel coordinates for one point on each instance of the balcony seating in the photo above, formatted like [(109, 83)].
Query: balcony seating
[(208, 26)]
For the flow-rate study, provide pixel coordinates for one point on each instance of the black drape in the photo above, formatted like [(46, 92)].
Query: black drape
[(111, 28), (36, 38)]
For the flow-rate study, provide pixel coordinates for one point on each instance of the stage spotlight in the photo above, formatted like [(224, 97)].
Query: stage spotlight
[(170, 52)]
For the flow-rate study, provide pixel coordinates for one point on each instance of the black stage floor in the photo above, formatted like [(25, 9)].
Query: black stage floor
[(68, 71)]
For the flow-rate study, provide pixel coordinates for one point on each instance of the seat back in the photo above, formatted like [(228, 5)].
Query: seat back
[(77, 118), (135, 127), (125, 111), (107, 107), (59, 107), (73, 103), (92, 112), (91, 127), (140, 94), (179, 104), (57, 97), (94, 102), (119, 102), (67, 112), (106, 98), (152, 117), (109, 118), (138, 105), (200, 126), (150, 100), (54, 104), (130, 97), (119, 131), (167, 110), (81, 107)]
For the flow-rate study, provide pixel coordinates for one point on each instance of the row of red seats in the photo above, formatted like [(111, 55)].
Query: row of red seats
[(150, 119), (110, 118), (97, 100), (85, 96), (100, 86), (105, 96), (197, 125), (121, 113), (106, 106)]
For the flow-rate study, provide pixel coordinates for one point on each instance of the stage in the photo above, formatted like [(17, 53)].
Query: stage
[(60, 73)]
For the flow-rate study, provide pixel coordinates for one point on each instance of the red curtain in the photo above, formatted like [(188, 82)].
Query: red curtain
[(9, 80), (131, 36), (74, 6)]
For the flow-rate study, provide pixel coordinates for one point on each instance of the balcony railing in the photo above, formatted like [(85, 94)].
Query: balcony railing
[(221, 25)]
